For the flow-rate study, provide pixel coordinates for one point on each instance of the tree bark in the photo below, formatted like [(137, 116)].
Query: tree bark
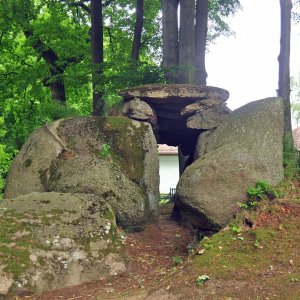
[(284, 61), (186, 61), (97, 55), (201, 28), (139, 22), (170, 38)]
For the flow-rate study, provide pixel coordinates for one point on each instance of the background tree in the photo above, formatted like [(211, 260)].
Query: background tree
[(284, 61), (184, 50), (97, 55), (290, 155), (201, 29), (138, 28)]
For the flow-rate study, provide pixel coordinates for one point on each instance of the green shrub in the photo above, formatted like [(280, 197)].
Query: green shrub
[(261, 190), (5, 159)]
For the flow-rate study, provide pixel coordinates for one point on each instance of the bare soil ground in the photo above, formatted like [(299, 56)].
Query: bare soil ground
[(256, 257)]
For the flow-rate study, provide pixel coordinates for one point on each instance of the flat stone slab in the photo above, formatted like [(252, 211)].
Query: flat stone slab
[(174, 92)]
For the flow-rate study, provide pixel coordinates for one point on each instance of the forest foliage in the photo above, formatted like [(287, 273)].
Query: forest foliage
[(46, 43)]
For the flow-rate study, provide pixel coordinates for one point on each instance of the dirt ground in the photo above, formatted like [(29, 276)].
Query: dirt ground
[(256, 257)]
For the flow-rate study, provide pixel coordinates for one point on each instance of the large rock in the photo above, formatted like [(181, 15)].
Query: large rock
[(54, 240), (41, 148), (91, 175), (115, 158), (140, 111), (245, 148), (201, 105)]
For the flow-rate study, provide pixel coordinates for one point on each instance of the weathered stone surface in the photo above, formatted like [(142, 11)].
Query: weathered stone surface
[(78, 154), (93, 176), (175, 92), (140, 111), (208, 118), (53, 240), (193, 108), (245, 148), (168, 101), (35, 157), (6, 281)]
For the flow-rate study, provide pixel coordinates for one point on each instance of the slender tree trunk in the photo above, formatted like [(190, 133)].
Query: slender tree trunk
[(284, 61), (201, 28), (186, 62), (170, 38), (139, 22), (97, 55)]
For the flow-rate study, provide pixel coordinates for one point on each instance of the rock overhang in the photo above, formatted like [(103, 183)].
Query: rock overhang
[(175, 107)]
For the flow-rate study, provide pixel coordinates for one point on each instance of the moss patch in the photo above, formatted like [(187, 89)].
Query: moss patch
[(14, 246), (126, 141)]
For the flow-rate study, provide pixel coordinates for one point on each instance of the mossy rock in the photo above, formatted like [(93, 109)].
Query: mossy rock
[(245, 148), (53, 240), (93, 176), (113, 157)]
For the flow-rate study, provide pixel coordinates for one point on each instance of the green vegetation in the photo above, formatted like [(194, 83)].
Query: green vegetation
[(163, 199), (290, 158), (261, 190), (105, 151), (201, 280), (5, 158), (177, 260)]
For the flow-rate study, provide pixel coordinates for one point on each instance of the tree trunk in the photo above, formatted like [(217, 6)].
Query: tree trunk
[(97, 55), (201, 28), (170, 38), (186, 62), (56, 77), (284, 61), (137, 39), (58, 92)]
